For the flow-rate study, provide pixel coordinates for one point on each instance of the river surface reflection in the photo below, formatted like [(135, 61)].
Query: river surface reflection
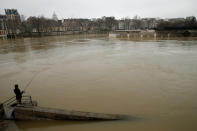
[(152, 80)]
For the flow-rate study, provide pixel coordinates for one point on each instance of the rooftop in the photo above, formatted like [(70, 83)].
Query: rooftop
[(11, 12)]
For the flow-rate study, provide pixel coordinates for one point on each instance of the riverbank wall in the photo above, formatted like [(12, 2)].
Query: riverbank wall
[(37, 34), (152, 33), (115, 34), (42, 34)]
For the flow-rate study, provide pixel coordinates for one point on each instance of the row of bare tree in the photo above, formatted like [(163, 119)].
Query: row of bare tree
[(42, 24), (38, 24), (176, 26)]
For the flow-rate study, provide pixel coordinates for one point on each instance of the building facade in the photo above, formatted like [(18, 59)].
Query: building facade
[(3, 27), (13, 21), (76, 24)]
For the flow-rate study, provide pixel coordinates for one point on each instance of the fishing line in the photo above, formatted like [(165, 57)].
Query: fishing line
[(26, 85), (34, 76), (31, 81)]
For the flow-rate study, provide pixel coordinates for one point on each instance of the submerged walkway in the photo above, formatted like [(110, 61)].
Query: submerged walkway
[(42, 113)]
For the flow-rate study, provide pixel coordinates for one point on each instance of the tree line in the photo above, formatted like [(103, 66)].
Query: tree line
[(42, 24)]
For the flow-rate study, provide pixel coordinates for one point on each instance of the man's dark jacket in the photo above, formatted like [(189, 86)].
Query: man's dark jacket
[(18, 93)]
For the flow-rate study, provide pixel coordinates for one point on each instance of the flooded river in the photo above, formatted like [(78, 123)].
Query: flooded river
[(153, 81)]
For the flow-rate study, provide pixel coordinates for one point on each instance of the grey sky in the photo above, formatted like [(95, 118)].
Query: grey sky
[(98, 8)]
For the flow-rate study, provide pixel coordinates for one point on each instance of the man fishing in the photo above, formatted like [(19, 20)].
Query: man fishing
[(18, 93)]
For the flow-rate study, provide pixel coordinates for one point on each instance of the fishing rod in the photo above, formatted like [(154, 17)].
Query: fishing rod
[(30, 81), (24, 88)]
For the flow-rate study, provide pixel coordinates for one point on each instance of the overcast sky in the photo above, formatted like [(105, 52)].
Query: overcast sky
[(98, 8)]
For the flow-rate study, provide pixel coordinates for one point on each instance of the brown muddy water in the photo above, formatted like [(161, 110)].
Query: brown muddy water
[(153, 81)]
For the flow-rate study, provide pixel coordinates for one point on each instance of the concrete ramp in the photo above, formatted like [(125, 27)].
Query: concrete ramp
[(42, 113)]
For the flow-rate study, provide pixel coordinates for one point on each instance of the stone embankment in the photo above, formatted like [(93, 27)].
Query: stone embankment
[(152, 33)]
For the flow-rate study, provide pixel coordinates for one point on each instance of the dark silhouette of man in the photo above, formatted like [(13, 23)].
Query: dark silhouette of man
[(18, 93)]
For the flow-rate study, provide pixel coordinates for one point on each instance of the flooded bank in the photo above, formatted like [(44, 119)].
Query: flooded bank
[(154, 81)]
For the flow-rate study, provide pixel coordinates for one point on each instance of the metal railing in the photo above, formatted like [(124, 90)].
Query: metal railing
[(12, 100)]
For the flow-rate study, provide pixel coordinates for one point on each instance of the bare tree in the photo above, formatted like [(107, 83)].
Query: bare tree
[(137, 22)]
